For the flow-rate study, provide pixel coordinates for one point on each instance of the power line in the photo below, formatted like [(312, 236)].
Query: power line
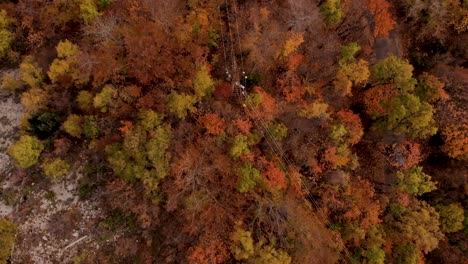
[(228, 74), (233, 57), (279, 159), (240, 46), (222, 36), (279, 149), (281, 156)]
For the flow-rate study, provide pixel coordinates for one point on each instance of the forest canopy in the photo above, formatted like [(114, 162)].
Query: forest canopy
[(208, 131)]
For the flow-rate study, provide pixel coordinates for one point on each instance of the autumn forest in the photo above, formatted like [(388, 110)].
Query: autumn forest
[(234, 131)]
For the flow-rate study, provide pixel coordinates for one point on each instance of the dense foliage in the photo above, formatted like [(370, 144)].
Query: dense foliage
[(247, 131)]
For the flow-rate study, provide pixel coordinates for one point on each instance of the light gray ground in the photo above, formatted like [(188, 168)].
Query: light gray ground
[(45, 235), (11, 113)]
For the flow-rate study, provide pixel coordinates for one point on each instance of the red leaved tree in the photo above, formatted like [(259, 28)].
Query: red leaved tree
[(383, 21), (374, 96), (208, 250), (404, 155), (223, 90), (266, 109), (126, 127), (213, 123), (273, 176), (353, 125), (243, 125)]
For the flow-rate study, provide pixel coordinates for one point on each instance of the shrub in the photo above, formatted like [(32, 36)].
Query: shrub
[(104, 99), (7, 239), (55, 168), (30, 72), (85, 100), (11, 81), (34, 99), (90, 128), (74, 125)]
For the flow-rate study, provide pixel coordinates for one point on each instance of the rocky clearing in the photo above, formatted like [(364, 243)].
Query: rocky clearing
[(54, 224)]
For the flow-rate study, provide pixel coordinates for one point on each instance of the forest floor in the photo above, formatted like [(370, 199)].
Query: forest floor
[(388, 46)]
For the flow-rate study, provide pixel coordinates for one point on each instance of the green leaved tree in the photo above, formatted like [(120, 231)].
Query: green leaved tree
[(452, 217), (415, 181), (278, 131), (314, 110), (242, 244), (347, 53), (407, 114), (105, 98), (88, 10), (239, 146), (85, 100), (372, 251), (396, 71), (26, 151), (203, 83), (417, 223), (351, 70), (332, 12), (406, 253), (6, 37), (66, 65), (244, 249), (181, 104), (143, 154), (249, 178), (90, 127)]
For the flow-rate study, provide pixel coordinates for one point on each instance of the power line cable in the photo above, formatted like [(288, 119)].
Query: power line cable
[(222, 35), (290, 165), (233, 57), (282, 156), (279, 149), (240, 46)]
